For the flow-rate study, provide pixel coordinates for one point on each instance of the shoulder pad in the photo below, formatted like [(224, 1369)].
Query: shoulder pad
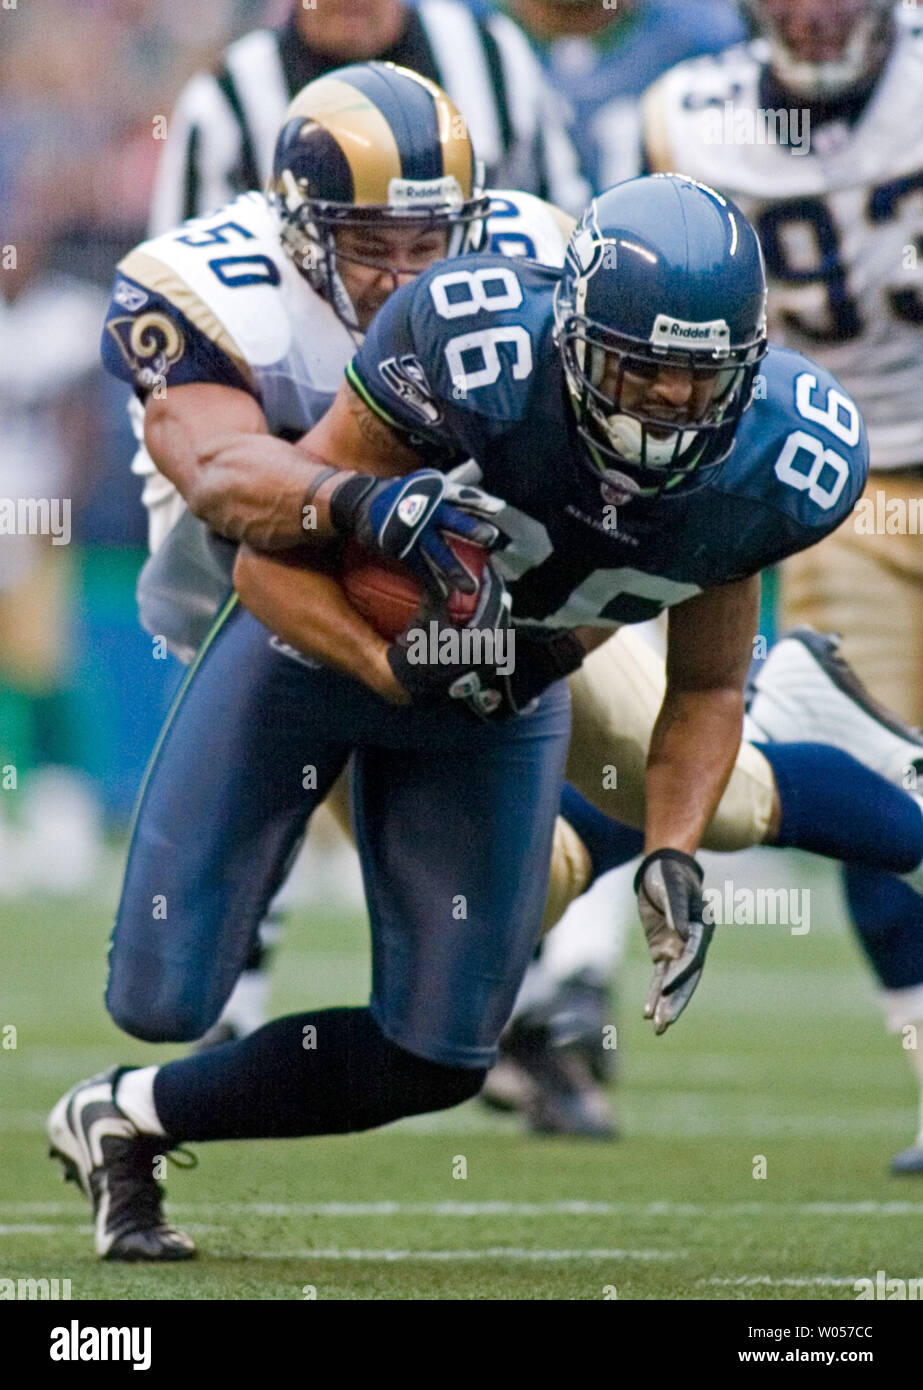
[(801, 448), (521, 224)]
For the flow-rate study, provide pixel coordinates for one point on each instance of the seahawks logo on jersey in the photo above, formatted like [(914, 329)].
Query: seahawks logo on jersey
[(406, 378)]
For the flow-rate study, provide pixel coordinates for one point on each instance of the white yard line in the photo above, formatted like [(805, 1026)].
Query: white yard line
[(493, 1252), (782, 1281), (463, 1210)]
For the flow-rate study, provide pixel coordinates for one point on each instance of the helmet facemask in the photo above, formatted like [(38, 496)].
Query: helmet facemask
[(650, 447), (308, 230), (867, 27)]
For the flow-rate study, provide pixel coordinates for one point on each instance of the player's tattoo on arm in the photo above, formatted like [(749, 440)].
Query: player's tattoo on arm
[(350, 436), (377, 433)]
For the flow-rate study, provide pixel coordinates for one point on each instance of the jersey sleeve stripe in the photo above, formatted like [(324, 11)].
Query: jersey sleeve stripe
[(464, 73), (369, 145), (191, 191), (255, 65), (361, 390), (153, 275), (247, 176), (498, 82)]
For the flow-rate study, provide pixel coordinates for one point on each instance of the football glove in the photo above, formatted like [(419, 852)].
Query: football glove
[(669, 889), (402, 518), (437, 679), (537, 663)]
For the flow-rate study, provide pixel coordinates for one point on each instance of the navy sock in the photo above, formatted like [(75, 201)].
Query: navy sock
[(274, 1085), (833, 805), (888, 918), (608, 842)]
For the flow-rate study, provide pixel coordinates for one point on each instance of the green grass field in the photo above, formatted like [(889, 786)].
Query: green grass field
[(782, 1054)]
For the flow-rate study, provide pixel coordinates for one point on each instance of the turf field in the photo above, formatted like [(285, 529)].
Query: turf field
[(782, 1055)]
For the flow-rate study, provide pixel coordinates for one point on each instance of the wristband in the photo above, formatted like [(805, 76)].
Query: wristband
[(321, 478), (679, 855)]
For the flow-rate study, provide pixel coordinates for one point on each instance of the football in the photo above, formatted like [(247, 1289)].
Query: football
[(387, 594)]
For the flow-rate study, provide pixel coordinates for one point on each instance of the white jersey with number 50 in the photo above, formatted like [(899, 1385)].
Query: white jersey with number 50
[(839, 211), (285, 342)]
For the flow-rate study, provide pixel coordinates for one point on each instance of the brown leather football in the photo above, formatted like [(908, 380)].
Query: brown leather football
[(388, 595)]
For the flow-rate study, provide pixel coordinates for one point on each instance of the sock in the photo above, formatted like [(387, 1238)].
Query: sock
[(608, 842), (329, 1072), (134, 1095), (832, 805), (888, 920)]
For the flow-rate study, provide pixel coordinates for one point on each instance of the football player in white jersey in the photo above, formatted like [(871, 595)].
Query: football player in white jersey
[(816, 130)]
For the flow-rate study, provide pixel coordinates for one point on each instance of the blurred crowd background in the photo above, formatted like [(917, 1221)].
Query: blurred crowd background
[(86, 88)]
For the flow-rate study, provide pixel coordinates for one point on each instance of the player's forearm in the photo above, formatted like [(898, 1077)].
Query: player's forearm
[(213, 444), (309, 611), (260, 490), (693, 748)]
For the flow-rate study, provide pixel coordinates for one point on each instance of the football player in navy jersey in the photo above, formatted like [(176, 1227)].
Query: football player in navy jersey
[(620, 385)]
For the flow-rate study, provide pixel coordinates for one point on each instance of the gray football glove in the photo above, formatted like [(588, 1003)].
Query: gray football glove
[(669, 889)]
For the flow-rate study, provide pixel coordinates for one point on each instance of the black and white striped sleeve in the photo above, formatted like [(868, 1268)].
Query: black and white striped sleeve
[(221, 135), (540, 119), (516, 123)]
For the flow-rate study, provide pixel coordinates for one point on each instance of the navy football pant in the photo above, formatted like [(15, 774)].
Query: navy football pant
[(454, 821)]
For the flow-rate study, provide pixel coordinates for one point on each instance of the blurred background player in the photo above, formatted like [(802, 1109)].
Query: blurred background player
[(49, 820), (223, 131), (77, 162), (601, 57), (837, 198)]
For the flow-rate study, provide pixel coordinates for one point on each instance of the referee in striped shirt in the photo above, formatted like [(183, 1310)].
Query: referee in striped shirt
[(223, 131)]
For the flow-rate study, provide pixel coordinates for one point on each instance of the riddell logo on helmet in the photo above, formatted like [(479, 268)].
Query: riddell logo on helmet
[(403, 193), (668, 331)]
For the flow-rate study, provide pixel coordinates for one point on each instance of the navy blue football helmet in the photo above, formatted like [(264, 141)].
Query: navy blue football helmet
[(661, 274)]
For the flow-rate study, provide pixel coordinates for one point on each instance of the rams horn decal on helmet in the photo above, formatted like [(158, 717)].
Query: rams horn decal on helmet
[(371, 143)]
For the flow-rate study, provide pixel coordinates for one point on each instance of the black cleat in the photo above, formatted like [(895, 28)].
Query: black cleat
[(551, 1086), (113, 1163)]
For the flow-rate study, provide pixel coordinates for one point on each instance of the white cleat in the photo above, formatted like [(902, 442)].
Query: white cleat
[(806, 692), (102, 1151)]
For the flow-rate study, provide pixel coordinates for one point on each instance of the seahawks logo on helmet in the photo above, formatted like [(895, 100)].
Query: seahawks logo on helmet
[(588, 250), (688, 296)]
